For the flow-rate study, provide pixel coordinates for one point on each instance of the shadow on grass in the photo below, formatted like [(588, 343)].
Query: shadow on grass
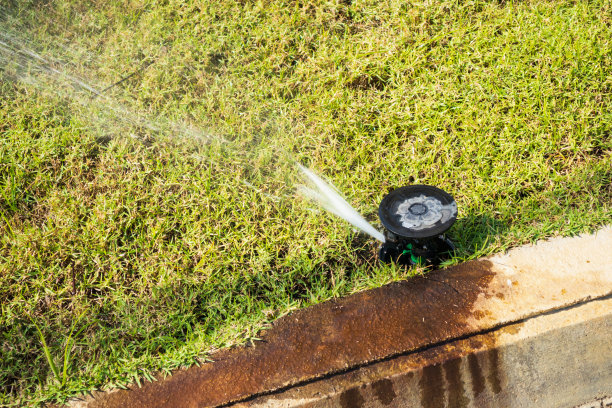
[(17, 5), (474, 234)]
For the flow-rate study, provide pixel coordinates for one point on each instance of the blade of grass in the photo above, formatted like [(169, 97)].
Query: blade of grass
[(68, 348), (47, 352)]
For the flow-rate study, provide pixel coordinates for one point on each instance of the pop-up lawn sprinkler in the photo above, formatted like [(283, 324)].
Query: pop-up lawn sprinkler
[(415, 218)]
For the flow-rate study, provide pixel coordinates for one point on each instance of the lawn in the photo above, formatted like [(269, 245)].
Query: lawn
[(143, 228)]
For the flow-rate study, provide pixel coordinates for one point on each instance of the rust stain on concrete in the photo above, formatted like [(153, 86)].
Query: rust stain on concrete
[(494, 373), (478, 380), (351, 398), (432, 395), (384, 391), (456, 391), (329, 338)]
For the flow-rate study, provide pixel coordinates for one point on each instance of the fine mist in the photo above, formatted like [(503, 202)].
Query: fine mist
[(330, 199), (20, 62)]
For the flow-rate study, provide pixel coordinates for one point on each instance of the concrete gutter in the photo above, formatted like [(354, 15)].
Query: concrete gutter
[(527, 328)]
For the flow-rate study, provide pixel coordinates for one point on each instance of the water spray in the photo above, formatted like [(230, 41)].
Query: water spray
[(330, 199), (415, 219)]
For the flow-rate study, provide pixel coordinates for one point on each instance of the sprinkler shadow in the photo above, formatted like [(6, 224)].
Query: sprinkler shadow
[(475, 234)]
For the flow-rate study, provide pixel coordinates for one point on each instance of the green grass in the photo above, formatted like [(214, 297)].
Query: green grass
[(123, 256)]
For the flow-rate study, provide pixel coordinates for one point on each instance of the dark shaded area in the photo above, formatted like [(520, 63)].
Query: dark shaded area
[(456, 391), (384, 392), (351, 398), (215, 62), (474, 231), (327, 338), (432, 396), (494, 373), (366, 82), (418, 252), (13, 7), (478, 380)]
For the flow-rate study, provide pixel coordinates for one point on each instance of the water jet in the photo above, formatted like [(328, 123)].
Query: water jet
[(415, 218)]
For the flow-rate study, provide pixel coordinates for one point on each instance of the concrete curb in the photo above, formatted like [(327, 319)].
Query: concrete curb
[(428, 329), (559, 359)]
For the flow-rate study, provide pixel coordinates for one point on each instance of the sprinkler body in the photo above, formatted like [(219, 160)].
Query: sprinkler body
[(415, 219)]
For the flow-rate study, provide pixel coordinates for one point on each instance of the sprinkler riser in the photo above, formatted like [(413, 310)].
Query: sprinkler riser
[(416, 252), (415, 219)]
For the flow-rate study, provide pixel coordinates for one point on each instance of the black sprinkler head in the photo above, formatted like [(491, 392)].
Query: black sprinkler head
[(415, 218)]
